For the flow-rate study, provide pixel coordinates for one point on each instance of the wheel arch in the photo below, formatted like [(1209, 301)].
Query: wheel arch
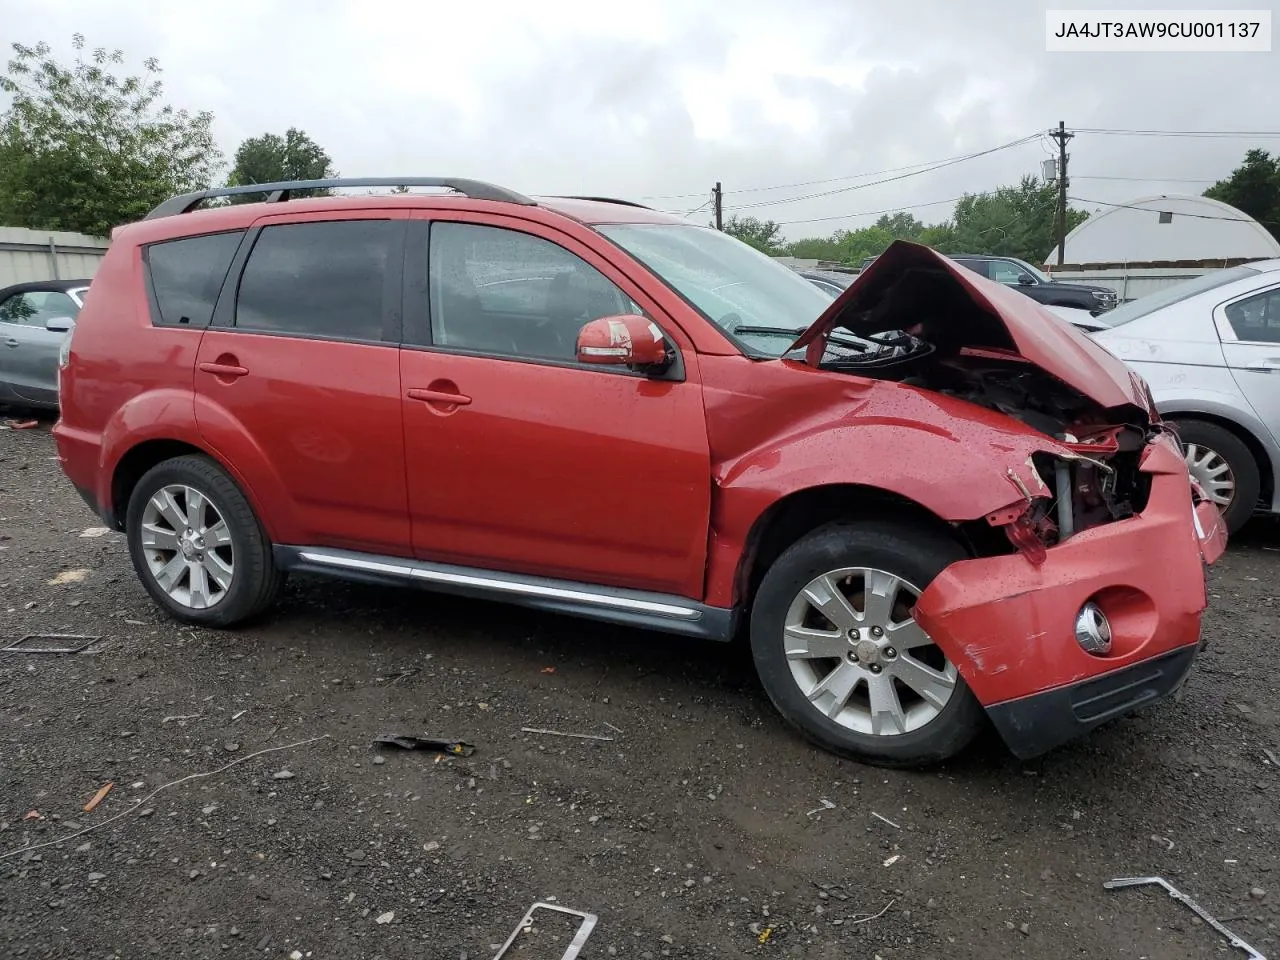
[(803, 511), (136, 461)]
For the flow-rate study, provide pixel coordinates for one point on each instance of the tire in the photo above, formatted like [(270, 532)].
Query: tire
[(1199, 438), (932, 731), (155, 545)]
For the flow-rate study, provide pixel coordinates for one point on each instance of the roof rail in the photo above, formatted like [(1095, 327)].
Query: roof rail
[(625, 203), (280, 192)]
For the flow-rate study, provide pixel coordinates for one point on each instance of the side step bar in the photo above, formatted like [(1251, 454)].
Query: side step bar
[(652, 611)]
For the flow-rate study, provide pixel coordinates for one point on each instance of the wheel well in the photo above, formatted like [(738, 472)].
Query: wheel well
[(1266, 489), (134, 464), (802, 512)]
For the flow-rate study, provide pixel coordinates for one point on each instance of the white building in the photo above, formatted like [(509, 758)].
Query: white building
[(1149, 243)]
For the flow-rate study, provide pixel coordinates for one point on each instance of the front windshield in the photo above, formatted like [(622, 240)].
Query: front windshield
[(1172, 294), (756, 300)]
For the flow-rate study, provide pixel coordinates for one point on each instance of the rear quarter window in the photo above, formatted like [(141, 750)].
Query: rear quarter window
[(185, 276)]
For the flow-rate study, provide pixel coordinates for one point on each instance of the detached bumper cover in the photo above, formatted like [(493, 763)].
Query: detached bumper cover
[(1009, 625)]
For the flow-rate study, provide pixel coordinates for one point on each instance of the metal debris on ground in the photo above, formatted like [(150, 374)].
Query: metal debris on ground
[(1176, 894), (19, 646), (557, 733), (892, 860), (98, 797), (396, 677), (826, 805), (457, 748), (1271, 756), (575, 945), (874, 916), (885, 820), (92, 532), (24, 424)]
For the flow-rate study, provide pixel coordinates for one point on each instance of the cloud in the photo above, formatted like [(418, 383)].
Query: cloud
[(665, 98)]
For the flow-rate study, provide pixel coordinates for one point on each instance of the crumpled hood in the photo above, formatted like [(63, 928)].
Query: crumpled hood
[(910, 283)]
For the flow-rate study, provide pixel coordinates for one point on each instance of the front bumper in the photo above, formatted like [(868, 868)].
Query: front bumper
[(1008, 625)]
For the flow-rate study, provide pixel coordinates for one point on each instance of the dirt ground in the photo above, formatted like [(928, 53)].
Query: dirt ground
[(703, 828)]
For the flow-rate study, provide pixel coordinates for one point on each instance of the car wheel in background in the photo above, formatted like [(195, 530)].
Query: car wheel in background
[(1224, 467)]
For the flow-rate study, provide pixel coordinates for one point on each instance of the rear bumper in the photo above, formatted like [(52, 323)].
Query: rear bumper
[(1009, 625), (1036, 724), (78, 457)]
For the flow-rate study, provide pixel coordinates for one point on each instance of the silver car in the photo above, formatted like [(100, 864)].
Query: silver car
[(1210, 349), (35, 318)]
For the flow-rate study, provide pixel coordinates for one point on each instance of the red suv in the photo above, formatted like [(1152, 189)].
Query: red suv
[(926, 502)]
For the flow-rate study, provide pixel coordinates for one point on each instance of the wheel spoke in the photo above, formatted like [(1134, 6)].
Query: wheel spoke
[(218, 535), (934, 686), (804, 643), (199, 587), (156, 537), (831, 602), (1219, 470), (887, 715), (195, 508), (170, 575), (880, 593), (908, 635), (832, 692), (218, 570), (169, 509)]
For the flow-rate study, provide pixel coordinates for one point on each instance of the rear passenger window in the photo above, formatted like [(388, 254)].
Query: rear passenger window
[(328, 279), (187, 274)]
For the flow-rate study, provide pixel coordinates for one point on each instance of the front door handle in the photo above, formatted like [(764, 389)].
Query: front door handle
[(224, 369), (11, 342), (439, 396), (1270, 365)]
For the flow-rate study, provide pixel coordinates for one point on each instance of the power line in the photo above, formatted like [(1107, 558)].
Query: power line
[(1177, 133), (873, 213), (1130, 206)]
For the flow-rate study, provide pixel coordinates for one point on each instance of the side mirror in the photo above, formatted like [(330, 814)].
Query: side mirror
[(1026, 280), (627, 340), (59, 324)]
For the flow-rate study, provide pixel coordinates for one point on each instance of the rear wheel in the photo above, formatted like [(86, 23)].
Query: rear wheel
[(1223, 466), (841, 656), (197, 545)]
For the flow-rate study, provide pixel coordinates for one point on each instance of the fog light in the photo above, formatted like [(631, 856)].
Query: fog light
[(1093, 632)]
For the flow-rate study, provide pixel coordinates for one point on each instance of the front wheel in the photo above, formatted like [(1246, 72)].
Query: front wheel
[(842, 658), (197, 546)]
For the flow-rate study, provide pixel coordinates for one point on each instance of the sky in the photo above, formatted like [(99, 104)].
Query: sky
[(655, 101)]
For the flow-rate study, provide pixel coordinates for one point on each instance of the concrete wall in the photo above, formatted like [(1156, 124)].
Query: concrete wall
[(48, 255)]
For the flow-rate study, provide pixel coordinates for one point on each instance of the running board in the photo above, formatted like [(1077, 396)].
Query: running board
[(652, 611)]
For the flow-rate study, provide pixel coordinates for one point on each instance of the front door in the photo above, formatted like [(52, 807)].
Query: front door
[(519, 458), (298, 378), (29, 351), (1249, 327)]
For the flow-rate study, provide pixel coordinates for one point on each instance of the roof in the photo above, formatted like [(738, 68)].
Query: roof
[(1168, 227)]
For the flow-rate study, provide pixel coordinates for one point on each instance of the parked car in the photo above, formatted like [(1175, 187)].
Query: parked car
[(34, 321), (1210, 349), (1035, 283), (830, 282), (909, 499)]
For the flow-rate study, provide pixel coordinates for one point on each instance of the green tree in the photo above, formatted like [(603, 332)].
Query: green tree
[(764, 235), (1253, 188), (83, 149), (1010, 221), (271, 158)]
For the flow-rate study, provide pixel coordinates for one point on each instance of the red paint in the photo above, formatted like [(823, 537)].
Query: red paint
[(608, 477)]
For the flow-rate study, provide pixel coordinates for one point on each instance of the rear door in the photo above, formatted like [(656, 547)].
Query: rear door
[(1249, 327), (298, 377), (28, 350), (542, 465)]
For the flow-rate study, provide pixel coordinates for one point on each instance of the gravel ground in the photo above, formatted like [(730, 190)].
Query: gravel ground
[(703, 828)]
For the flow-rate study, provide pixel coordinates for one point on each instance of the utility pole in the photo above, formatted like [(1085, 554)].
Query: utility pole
[(1062, 137), (717, 196)]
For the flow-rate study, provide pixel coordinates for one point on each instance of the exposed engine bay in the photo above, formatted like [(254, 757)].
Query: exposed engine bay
[(923, 329)]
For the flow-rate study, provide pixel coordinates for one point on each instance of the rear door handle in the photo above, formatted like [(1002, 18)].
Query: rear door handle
[(224, 369), (439, 396), (11, 342)]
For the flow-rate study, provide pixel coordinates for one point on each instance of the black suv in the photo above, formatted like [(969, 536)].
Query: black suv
[(1037, 285)]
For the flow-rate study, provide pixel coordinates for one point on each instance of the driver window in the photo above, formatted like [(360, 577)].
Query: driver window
[(503, 292)]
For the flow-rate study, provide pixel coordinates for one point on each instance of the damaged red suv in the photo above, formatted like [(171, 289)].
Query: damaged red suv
[(928, 503)]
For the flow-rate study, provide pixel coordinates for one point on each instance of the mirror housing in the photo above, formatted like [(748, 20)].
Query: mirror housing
[(1026, 280), (627, 340), (59, 324)]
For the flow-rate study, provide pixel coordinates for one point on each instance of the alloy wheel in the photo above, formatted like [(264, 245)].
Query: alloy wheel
[(859, 657), (1212, 471), (187, 545)]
